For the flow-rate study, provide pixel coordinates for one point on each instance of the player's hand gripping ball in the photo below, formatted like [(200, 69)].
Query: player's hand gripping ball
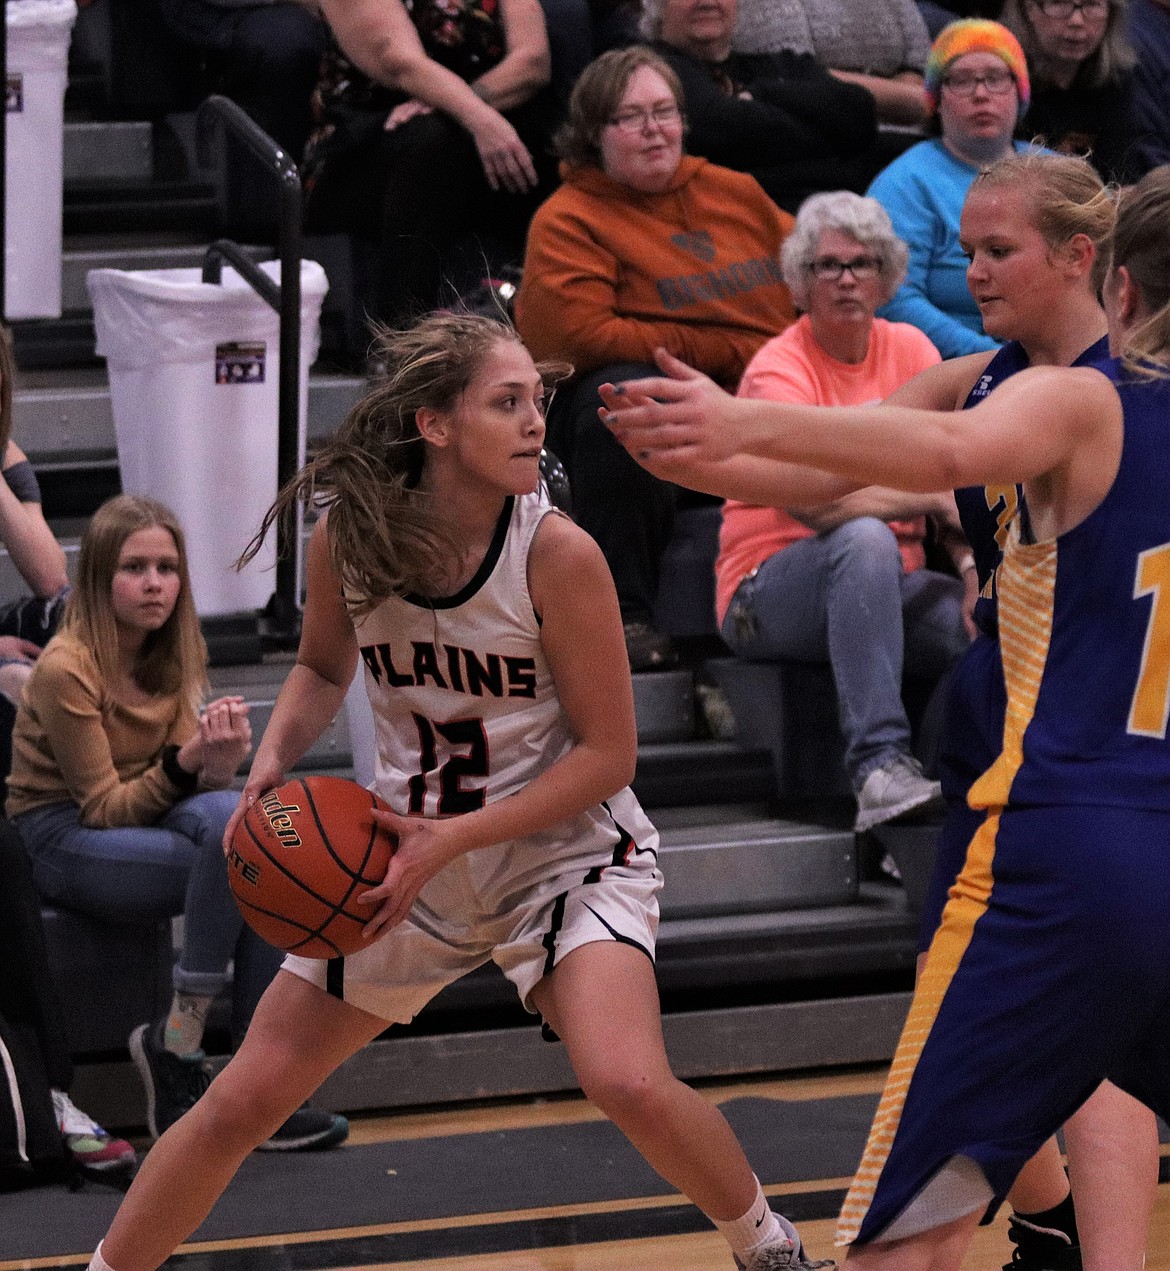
[(300, 858)]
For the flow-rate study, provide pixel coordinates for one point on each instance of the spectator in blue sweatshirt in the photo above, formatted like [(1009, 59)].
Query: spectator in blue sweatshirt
[(976, 90)]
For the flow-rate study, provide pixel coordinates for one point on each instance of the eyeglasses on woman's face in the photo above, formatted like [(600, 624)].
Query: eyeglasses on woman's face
[(633, 120), (1064, 9), (964, 83), (830, 268)]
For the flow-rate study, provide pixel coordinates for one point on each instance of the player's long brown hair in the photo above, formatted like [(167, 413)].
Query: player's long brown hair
[(173, 658), (386, 535), (1141, 242)]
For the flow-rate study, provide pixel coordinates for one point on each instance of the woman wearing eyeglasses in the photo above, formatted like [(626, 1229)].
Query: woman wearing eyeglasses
[(844, 582), (641, 247), (976, 90), (1081, 80)]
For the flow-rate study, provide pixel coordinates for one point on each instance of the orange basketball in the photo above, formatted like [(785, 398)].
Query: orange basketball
[(300, 858)]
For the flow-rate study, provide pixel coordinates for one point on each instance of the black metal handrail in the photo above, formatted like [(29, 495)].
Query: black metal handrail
[(260, 282), (285, 298)]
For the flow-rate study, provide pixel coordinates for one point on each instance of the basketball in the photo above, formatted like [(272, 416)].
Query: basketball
[(299, 859)]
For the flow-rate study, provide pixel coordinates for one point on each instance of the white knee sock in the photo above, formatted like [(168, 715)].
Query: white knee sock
[(97, 1262), (759, 1226)]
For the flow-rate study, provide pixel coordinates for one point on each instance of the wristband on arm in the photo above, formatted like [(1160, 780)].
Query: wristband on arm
[(185, 782)]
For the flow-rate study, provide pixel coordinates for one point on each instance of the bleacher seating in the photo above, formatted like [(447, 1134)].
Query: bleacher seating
[(775, 950)]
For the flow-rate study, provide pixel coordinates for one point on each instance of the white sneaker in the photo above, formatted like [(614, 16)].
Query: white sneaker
[(91, 1146), (784, 1256), (893, 790)]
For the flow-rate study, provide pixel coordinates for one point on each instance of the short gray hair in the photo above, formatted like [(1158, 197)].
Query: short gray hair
[(650, 21), (863, 219)]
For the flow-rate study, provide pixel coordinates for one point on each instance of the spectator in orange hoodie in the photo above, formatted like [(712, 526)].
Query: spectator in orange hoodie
[(642, 247)]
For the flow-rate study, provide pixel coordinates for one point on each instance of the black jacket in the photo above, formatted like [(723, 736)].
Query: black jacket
[(793, 129)]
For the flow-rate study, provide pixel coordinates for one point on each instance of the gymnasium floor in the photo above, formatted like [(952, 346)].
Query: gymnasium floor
[(645, 1229)]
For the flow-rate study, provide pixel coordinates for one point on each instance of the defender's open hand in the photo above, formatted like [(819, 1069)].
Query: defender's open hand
[(679, 416)]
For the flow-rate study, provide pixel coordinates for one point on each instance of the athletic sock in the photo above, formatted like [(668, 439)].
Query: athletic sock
[(97, 1262), (183, 1034), (759, 1226), (1060, 1220)]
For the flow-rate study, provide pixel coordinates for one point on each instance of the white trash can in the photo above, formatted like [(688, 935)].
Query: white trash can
[(38, 51), (194, 370)]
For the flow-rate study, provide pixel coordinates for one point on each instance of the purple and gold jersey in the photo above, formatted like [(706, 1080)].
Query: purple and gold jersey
[(987, 512), (974, 717), (1049, 971), (1085, 637)]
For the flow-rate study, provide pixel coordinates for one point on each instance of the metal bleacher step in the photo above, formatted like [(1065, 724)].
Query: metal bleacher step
[(684, 773), (668, 769), (873, 935), (180, 206), (665, 705), (63, 418), (732, 860), (47, 343), (427, 1067), (258, 685), (137, 250), (701, 771), (107, 150)]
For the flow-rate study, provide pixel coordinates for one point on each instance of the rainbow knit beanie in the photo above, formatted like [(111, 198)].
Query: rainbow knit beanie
[(975, 35)]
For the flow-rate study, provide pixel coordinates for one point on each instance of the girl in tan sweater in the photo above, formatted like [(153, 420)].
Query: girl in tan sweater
[(120, 790)]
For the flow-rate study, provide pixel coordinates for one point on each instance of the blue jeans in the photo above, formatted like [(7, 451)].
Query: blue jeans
[(842, 597), (147, 873)]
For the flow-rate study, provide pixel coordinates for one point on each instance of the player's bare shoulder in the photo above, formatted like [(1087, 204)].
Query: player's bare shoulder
[(563, 557), (1082, 396)]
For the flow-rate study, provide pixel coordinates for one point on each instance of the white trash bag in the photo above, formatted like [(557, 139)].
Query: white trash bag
[(194, 370)]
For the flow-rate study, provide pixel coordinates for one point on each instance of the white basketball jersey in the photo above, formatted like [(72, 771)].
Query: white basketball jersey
[(464, 705), (465, 712)]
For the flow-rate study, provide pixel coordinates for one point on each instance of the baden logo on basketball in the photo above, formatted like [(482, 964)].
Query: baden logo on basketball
[(280, 818)]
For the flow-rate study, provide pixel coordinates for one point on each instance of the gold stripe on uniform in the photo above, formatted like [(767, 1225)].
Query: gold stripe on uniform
[(1027, 579), (1027, 582)]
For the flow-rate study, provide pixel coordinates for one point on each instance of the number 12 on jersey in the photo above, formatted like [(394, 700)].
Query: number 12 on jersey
[(454, 798)]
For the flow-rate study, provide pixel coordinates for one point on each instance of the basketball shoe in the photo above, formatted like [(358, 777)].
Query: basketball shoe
[(175, 1082), (308, 1130), (91, 1146), (784, 1255), (1041, 1248)]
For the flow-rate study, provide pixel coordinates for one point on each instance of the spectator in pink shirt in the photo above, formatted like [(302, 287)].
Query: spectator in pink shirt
[(845, 582)]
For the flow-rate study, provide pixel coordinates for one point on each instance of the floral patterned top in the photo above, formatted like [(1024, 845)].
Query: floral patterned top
[(465, 36)]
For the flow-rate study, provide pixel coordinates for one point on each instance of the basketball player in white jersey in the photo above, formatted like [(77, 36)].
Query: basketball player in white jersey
[(495, 663)]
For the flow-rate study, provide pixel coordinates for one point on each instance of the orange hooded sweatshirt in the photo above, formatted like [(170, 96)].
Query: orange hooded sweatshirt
[(610, 273)]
